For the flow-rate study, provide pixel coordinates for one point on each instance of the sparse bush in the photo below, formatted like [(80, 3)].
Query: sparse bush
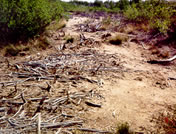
[(98, 3), (107, 21), (69, 39), (123, 129), (118, 39)]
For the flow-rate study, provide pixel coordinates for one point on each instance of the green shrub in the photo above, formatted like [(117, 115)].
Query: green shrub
[(132, 12), (123, 4), (157, 12), (26, 18)]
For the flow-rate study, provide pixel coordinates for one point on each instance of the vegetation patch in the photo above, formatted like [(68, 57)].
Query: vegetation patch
[(157, 12), (22, 19), (14, 50), (123, 128), (118, 39), (56, 25), (69, 39)]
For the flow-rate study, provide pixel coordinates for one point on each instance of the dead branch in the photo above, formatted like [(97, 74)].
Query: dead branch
[(19, 110), (22, 97), (62, 124), (3, 109), (92, 104), (39, 124), (91, 130), (46, 88), (171, 78), (39, 106), (166, 61)]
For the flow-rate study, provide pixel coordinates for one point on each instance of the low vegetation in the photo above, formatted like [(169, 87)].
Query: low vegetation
[(123, 128), (118, 39)]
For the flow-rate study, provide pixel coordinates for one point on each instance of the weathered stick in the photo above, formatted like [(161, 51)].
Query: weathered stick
[(162, 61), (92, 104), (39, 124), (62, 124), (93, 130)]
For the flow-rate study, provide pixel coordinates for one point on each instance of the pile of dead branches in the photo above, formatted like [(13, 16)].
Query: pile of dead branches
[(65, 66), (36, 95), (22, 114)]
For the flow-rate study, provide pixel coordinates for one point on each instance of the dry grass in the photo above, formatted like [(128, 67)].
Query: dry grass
[(56, 25), (40, 43), (159, 52), (69, 39), (127, 29), (14, 50), (21, 49), (106, 23), (43, 43), (118, 39), (130, 28)]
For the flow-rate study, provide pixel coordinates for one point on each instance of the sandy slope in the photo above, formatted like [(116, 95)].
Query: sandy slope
[(138, 94)]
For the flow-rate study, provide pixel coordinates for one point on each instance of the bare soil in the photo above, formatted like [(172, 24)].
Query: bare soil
[(135, 93)]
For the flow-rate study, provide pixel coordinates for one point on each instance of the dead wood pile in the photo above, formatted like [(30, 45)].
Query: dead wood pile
[(36, 95)]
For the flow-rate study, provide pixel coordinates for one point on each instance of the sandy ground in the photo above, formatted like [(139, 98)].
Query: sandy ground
[(138, 94), (135, 94)]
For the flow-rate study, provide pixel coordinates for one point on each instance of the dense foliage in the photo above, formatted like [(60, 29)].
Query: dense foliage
[(26, 18)]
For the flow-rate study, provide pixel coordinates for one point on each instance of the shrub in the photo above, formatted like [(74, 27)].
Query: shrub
[(132, 12), (26, 18), (98, 3), (118, 39), (69, 39), (123, 129), (157, 12), (123, 4)]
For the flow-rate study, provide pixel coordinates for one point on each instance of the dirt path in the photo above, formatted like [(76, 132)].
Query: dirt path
[(138, 94), (134, 93)]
